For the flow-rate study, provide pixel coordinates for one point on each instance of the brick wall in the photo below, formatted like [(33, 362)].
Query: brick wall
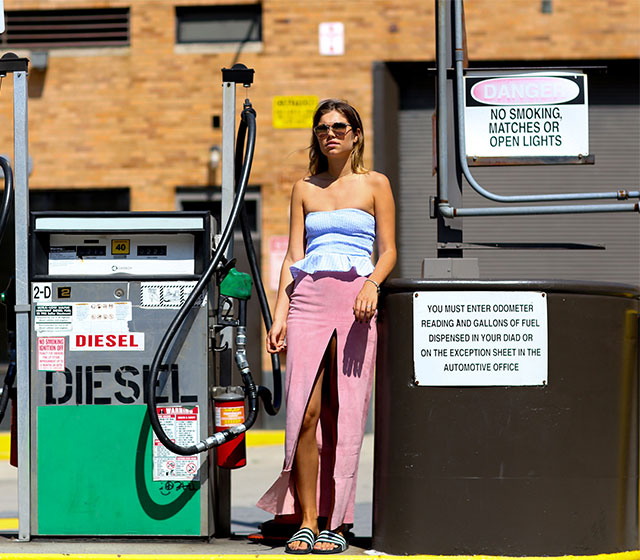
[(141, 116)]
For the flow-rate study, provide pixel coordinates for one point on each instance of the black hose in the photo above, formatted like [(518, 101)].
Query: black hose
[(248, 122), (7, 197), (9, 379), (271, 403), (5, 213)]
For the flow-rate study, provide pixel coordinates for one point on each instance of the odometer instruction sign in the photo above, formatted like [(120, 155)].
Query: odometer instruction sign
[(530, 114), (480, 338)]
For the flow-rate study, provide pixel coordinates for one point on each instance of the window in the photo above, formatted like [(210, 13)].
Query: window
[(46, 29), (219, 24)]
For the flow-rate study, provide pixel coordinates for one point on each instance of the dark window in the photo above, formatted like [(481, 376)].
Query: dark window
[(46, 29), (88, 200), (219, 24), (195, 198)]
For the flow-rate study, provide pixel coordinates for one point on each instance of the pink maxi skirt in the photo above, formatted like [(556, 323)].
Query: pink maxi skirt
[(321, 304)]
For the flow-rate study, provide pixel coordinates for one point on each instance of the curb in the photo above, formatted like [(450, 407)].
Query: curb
[(631, 555)]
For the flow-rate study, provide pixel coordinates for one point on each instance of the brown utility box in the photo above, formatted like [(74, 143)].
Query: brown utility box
[(534, 470)]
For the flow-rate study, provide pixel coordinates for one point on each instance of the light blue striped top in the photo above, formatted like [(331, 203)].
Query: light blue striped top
[(338, 240)]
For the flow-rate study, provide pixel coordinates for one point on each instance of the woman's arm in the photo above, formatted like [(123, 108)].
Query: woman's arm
[(385, 213), (295, 252)]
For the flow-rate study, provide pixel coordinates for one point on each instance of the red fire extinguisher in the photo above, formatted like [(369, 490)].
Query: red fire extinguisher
[(229, 412)]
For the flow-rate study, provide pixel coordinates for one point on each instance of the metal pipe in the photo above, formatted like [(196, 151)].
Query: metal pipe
[(449, 211), (21, 217), (228, 157), (459, 71), (441, 38)]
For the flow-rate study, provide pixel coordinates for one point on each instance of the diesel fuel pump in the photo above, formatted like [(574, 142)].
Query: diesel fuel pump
[(127, 316)]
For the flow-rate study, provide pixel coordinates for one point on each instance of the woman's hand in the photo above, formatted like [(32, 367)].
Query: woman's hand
[(366, 303), (276, 337)]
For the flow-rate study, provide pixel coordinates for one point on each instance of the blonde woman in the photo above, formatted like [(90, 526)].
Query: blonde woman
[(325, 316)]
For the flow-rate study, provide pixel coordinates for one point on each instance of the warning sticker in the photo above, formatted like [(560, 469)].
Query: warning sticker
[(167, 295), (182, 426), (51, 353), (53, 318), (111, 316)]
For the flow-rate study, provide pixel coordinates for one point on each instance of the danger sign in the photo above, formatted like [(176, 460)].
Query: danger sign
[(531, 114)]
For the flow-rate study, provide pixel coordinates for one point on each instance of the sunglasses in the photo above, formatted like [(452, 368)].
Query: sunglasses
[(338, 128)]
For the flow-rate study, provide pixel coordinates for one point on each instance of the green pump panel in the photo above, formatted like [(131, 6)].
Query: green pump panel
[(104, 287)]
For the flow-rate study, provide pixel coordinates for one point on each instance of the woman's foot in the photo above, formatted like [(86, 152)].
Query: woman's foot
[(331, 542), (302, 541)]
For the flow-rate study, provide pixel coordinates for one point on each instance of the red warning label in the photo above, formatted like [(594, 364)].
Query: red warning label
[(51, 353)]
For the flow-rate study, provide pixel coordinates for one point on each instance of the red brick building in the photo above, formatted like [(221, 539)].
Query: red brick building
[(126, 117)]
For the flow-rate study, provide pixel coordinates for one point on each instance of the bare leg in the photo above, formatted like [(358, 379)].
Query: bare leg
[(333, 404), (305, 470)]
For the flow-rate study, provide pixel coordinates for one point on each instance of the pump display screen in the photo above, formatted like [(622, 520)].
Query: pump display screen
[(152, 250), (110, 254)]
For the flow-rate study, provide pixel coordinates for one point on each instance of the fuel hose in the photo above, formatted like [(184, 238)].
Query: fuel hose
[(5, 213), (271, 403), (7, 196), (248, 124)]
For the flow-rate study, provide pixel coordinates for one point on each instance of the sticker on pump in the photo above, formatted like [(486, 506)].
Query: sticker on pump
[(133, 341), (182, 426), (51, 353)]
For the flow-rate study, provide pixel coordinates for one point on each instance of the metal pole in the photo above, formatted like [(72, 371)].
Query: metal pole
[(222, 477), (448, 231), (21, 213), (228, 155)]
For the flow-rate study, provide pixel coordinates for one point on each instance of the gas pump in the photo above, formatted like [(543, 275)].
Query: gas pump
[(126, 315)]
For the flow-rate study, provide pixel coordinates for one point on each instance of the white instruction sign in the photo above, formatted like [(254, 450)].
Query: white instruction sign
[(480, 338), (53, 318), (182, 426)]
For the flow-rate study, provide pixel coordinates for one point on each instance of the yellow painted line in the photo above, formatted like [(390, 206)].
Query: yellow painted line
[(254, 438), (265, 437), (632, 555), (5, 443), (8, 524)]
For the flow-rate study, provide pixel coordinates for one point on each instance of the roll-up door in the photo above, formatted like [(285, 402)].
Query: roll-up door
[(614, 116)]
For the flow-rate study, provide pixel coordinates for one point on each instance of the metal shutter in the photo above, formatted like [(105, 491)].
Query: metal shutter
[(614, 139)]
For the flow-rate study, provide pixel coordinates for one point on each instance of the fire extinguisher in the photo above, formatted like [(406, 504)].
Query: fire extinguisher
[(230, 411)]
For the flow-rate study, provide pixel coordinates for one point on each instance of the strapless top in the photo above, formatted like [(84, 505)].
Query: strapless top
[(338, 240)]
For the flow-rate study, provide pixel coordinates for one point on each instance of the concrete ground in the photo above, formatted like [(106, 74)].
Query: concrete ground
[(263, 465)]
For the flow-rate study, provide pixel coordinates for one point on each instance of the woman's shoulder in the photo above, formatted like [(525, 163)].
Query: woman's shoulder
[(376, 180), (310, 181)]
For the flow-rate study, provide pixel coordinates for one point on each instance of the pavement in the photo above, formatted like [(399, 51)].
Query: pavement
[(265, 454), (264, 461)]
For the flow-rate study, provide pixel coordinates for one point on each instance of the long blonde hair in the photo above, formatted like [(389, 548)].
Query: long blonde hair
[(317, 160)]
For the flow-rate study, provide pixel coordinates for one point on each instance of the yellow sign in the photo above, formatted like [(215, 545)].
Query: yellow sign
[(294, 111), (120, 246)]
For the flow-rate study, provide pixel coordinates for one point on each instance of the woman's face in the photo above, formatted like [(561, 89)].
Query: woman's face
[(332, 140)]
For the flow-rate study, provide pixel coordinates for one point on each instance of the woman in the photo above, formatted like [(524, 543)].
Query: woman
[(325, 316)]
